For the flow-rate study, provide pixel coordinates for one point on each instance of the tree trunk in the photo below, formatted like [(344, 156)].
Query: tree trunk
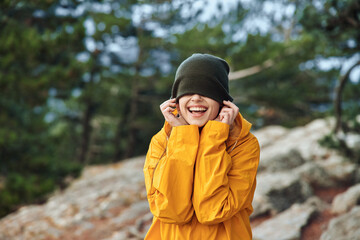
[(119, 135), (86, 133), (134, 100), (131, 136), (88, 115), (338, 98)]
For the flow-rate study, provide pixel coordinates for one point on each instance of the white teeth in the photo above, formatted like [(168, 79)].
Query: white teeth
[(197, 109)]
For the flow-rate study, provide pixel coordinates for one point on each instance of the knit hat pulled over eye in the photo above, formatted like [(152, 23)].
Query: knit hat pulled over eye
[(202, 74)]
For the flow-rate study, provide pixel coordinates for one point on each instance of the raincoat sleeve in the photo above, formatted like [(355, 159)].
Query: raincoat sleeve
[(169, 172), (224, 184)]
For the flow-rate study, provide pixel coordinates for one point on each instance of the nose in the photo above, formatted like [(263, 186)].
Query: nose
[(196, 97)]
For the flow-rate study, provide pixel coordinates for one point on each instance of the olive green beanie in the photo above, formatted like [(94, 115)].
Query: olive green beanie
[(202, 74)]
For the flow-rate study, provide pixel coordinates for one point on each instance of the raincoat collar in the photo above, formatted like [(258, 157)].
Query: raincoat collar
[(240, 129)]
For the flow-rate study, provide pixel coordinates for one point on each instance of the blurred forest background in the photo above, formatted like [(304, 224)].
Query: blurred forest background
[(81, 81)]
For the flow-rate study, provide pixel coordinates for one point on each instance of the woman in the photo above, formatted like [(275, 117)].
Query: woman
[(200, 169)]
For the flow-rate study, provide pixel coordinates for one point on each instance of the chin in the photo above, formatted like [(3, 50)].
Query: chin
[(199, 124)]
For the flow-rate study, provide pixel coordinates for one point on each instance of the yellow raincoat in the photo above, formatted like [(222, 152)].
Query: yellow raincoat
[(201, 185)]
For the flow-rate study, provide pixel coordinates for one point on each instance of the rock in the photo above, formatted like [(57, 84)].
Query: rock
[(19, 223), (305, 139), (262, 206), (284, 161), (276, 192), (295, 147), (315, 175), (347, 200), (268, 135), (121, 235), (344, 227), (342, 171), (41, 229), (288, 224), (132, 213), (102, 201), (351, 139)]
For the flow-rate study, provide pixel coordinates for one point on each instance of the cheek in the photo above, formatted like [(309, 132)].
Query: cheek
[(214, 113), (181, 108)]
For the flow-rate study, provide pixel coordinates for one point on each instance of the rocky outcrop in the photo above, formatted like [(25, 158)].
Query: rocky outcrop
[(109, 202), (344, 227), (347, 200), (276, 192), (294, 164), (288, 224), (293, 167), (106, 202), (299, 144)]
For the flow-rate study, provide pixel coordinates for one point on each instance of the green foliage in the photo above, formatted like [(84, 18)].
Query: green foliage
[(336, 24), (332, 141), (35, 183), (37, 55), (284, 93)]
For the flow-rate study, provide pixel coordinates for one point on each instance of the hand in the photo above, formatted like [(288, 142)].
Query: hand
[(167, 109), (228, 113)]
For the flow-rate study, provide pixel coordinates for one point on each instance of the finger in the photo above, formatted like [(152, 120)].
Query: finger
[(221, 116), (167, 104), (169, 116), (232, 115), (234, 109), (171, 101), (231, 105), (226, 109), (229, 111), (168, 111), (225, 118), (228, 103)]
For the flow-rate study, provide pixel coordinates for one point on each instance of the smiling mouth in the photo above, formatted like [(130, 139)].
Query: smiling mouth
[(197, 109)]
